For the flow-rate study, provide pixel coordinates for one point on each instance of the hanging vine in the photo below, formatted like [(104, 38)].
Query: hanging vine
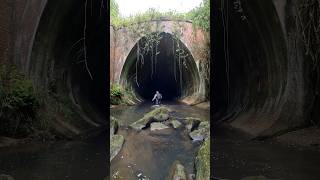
[(149, 45), (308, 18), (179, 53)]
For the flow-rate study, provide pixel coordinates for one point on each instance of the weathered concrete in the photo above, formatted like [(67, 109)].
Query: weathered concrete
[(39, 37), (123, 41), (264, 87)]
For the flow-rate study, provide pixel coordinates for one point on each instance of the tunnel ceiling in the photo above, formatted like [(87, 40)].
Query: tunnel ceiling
[(174, 78), (58, 63)]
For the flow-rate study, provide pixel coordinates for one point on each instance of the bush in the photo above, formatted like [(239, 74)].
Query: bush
[(116, 94), (18, 103)]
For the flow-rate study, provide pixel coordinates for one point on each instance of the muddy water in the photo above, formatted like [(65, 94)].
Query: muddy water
[(150, 154)]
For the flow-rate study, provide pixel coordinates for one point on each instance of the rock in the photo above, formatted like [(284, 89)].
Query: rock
[(6, 177), (158, 126), (257, 178), (204, 124), (161, 117), (202, 162), (113, 125), (191, 176), (203, 132), (157, 115), (177, 172), (199, 134), (116, 142), (175, 124), (192, 123)]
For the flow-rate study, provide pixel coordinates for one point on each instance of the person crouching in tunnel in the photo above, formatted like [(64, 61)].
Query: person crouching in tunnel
[(157, 97)]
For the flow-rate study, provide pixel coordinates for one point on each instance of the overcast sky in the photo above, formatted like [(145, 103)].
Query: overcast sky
[(130, 7)]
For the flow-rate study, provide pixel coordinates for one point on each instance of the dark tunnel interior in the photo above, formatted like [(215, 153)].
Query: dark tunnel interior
[(174, 78), (61, 64), (250, 57)]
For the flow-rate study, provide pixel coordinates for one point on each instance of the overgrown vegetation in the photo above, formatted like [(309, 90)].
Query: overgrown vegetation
[(200, 16), (120, 95), (18, 103), (25, 112)]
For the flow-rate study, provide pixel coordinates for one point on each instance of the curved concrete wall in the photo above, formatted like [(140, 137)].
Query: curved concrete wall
[(268, 92), (124, 39), (41, 35)]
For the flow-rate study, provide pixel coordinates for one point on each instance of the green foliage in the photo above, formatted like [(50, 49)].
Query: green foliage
[(150, 14), (114, 9), (116, 94), (200, 16), (18, 102)]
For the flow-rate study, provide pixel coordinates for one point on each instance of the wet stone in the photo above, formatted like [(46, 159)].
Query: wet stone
[(116, 142), (158, 126), (202, 133), (113, 125), (159, 114), (192, 123), (175, 124), (177, 172), (199, 134)]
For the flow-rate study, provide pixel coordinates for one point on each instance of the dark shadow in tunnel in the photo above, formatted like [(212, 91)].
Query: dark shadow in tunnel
[(57, 63), (250, 57), (172, 77)]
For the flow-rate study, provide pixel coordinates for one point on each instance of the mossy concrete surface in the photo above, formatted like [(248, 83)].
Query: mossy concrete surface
[(202, 162)]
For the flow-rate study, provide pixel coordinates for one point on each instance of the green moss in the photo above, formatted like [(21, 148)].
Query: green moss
[(113, 125), (120, 95), (19, 103), (158, 114), (203, 161)]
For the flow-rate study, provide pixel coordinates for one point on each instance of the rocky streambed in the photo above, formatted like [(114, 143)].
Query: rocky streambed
[(166, 142)]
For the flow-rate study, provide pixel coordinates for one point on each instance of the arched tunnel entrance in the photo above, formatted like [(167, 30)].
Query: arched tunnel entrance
[(69, 57), (168, 68)]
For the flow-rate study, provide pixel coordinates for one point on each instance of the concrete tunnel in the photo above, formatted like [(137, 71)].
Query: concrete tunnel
[(57, 59), (262, 81), (259, 79), (173, 78)]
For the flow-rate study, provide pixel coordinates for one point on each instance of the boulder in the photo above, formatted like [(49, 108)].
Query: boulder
[(158, 126), (199, 134), (202, 162), (175, 124), (192, 123), (177, 172), (113, 125), (116, 142), (6, 177), (204, 124), (203, 132), (157, 115)]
